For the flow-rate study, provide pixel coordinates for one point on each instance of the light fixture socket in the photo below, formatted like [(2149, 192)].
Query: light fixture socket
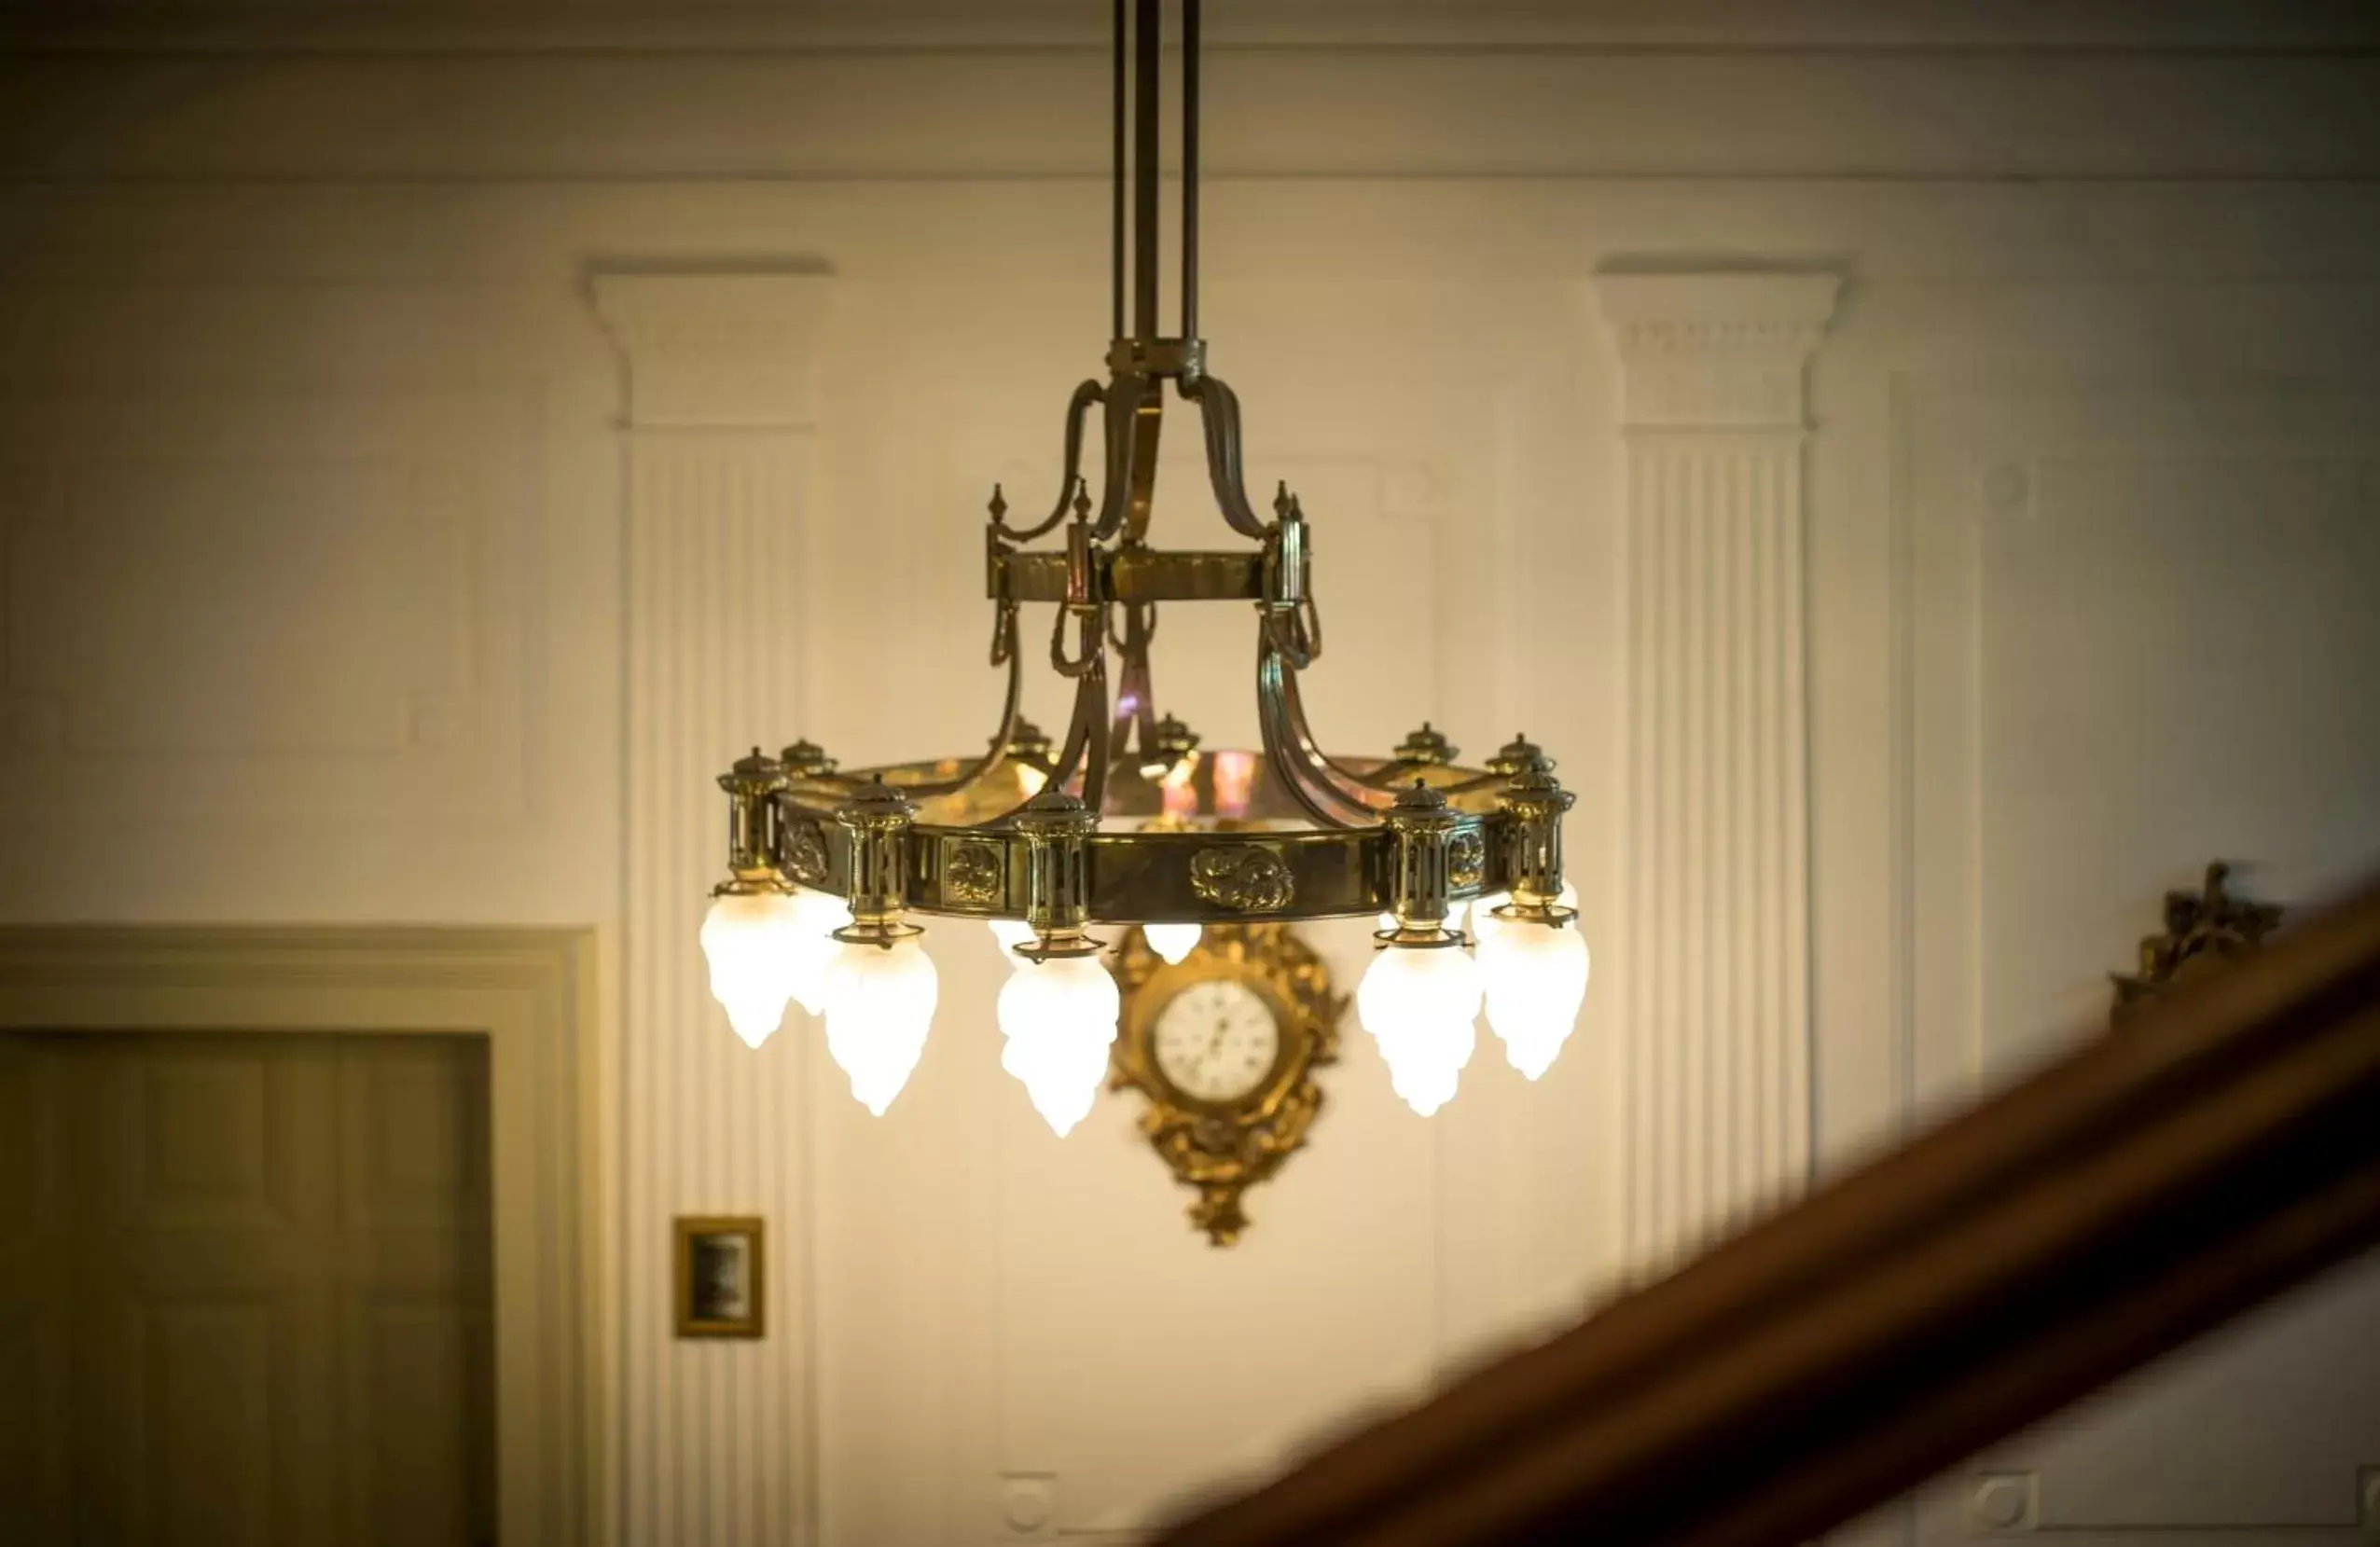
[(1423, 827), (1536, 801), (1057, 893), (876, 824), (753, 785)]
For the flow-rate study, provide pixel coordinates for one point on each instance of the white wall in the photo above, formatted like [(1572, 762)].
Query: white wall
[(433, 445)]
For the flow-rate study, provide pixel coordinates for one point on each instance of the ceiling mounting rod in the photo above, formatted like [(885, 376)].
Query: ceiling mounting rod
[(1140, 89)]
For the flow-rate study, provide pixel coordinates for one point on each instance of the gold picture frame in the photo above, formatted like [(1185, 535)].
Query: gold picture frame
[(722, 1276)]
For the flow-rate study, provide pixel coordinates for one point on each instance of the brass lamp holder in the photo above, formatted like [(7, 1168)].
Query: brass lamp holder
[(1282, 833)]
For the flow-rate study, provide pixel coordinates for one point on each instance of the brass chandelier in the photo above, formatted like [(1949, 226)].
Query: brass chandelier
[(1128, 821)]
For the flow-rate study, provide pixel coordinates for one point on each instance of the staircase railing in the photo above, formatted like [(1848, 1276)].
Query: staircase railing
[(2215, 1150)]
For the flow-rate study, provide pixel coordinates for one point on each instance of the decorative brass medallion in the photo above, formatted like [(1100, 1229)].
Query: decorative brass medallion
[(2202, 928), (1466, 858), (972, 874), (1224, 1044), (806, 854), (1245, 880)]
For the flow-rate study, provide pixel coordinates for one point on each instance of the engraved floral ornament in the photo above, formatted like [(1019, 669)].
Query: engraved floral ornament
[(1245, 880)]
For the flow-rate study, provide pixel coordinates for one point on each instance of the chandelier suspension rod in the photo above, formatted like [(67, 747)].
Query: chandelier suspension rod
[(1189, 169), (1115, 238), (1147, 50), (1147, 41)]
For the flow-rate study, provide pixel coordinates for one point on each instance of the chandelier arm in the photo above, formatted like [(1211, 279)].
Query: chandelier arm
[(1218, 414), (1088, 392), (1343, 781), (1135, 408), (1098, 751), (1283, 749), (1085, 733), (1089, 714), (1003, 648), (1135, 691), (1308, 797)]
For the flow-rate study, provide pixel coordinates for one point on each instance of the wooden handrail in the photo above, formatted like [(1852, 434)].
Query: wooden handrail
[(2220, 1148)]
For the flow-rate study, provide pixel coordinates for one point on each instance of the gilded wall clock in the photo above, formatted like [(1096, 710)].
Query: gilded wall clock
[(1224, 1043)]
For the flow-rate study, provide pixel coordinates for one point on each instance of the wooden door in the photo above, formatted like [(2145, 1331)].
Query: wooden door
[(244, 1290)]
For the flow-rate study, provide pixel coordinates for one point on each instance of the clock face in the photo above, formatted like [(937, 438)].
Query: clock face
[(1216, 1041)]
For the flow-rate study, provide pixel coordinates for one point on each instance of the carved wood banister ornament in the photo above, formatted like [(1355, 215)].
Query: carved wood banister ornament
[(2202, 929), (2024, 1255)]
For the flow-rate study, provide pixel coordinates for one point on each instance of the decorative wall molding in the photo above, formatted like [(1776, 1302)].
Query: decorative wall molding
[(532, 994), (1716, 1058), (718, 1445), (171, 549), (716, 350), (1704, 351)]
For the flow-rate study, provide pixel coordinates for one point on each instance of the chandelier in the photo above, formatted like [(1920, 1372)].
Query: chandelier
[(1128, 820)]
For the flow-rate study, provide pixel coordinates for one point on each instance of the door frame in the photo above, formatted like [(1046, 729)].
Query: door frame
[(532, 993)]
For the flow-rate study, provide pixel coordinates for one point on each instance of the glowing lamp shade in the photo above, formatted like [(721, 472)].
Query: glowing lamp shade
[(1454, 919), (1173, 941), (1419, 1005), (745, 940), (1483, 922), (1011, 933), (1536, 981), (1059, 1018), (810, 945), (880, 1002)]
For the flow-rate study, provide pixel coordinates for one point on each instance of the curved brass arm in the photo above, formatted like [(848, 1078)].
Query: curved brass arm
[(1345, 782), (1219, 413), (1003, 652), (1135, 411), (1291, 753), (1088, 392)]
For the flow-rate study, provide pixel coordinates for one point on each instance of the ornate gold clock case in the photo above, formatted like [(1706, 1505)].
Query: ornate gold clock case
[(1224, 1044)]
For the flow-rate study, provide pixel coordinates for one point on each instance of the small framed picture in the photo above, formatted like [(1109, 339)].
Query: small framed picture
[(720, 1287)]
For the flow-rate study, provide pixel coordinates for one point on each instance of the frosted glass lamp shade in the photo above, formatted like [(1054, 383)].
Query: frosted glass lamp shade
[(1419, 1005), (1173, 941), (1536, 978), (1483, 922), (1059, 1017), (879, 1003), (745, 941), (1011, 933), (810, 945), (1454, 919)]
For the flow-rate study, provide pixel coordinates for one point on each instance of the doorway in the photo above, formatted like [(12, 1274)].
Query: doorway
[(299, 1237), (244, 1290)]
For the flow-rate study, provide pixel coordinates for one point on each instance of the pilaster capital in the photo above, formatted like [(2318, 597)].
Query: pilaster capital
[(716, 350), (1719, 350)]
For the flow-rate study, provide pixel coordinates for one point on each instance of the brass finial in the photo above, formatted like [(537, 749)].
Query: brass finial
[(1027, 742), (805, 759), (1426, 745), (1174, 741), (1517, 754), (754, 773)]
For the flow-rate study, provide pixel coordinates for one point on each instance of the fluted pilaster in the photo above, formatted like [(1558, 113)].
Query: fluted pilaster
[(716, 1442), (1716, 1039)]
